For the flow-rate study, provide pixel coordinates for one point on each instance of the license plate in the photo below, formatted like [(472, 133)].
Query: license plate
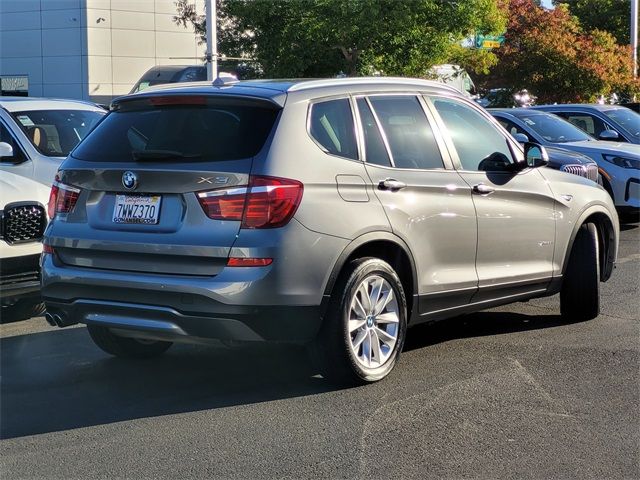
[(137, 209)]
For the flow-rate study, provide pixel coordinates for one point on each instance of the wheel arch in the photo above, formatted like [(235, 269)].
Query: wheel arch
[(387, 247), (607, 239)]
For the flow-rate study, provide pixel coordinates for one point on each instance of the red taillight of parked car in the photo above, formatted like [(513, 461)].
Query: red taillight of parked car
[(267, 202), (62, 198), (248, 262)]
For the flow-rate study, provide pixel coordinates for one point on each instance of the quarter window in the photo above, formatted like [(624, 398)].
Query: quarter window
[(480, 145), (410, 137), (331, 125), (375, 151)]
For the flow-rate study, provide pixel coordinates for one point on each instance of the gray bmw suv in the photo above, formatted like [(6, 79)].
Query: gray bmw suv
[(334, 213)]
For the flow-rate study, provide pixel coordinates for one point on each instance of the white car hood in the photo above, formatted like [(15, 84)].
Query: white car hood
[(14, 188)]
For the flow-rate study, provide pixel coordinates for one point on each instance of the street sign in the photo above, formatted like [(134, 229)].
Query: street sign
[(488, 41)]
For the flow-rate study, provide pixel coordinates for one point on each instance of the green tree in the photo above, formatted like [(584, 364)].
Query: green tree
[(547, 52), (307, 38), (612, 16)]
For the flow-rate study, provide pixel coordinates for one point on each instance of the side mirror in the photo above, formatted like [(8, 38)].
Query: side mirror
[(521, 137), (609, 135), (535, 155), (6, 150)]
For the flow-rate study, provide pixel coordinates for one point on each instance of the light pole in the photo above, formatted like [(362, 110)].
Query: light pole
[(634, 35), (212, 40)]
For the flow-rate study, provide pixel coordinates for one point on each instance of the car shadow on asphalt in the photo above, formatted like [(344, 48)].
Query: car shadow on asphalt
[(478, 324), (58, 380)]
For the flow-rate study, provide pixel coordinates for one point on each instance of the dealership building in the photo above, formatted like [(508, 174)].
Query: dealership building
[(89, 49)]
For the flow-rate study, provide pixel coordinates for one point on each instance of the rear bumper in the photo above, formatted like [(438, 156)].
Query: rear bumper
[(264, 323), (180, 308)]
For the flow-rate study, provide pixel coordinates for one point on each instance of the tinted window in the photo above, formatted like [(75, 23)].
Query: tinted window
[(511, 127), (56, 132), (588, 123), (6, 137), (331, 125), (408, 132), (480, 145), (553, 128), (626, 118), (375, 151), (226, 132)]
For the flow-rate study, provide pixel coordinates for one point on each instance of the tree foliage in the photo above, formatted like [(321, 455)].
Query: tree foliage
[(310, 38), (612, 16), (547, 52)]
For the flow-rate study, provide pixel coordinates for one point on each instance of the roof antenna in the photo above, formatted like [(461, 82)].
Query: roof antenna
[(225, 78)]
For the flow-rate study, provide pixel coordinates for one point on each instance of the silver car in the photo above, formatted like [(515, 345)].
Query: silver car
[(334, 213), (618, 163)]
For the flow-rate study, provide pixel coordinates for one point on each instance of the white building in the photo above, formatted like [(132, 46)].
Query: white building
[(89, 49)]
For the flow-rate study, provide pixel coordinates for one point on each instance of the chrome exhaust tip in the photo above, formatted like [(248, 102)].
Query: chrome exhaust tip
[(50, 319)]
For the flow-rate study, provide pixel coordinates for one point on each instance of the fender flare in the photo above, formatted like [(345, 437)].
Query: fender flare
[(359, 242), (610, 254)]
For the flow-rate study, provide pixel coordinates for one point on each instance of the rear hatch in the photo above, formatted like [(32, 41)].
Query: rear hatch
[(160, 185)]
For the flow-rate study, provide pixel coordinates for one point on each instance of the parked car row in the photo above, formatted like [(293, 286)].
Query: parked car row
[(618, 163)]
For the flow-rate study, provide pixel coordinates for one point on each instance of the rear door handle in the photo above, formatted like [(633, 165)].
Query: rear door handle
[(482, 189), (391, 184)]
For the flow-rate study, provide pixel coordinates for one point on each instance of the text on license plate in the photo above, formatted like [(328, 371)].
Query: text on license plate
[(136, 209)]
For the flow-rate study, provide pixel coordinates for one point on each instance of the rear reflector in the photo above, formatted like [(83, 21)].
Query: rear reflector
[(62, 198), (267, 202), (248, 262)]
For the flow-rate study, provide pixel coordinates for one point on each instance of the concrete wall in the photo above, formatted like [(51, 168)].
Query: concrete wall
[(91, 49)]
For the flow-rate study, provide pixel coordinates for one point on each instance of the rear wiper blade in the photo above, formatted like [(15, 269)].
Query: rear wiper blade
[(161, 154)]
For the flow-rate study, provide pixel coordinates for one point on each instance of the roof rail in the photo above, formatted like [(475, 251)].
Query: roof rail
[(330, 82)]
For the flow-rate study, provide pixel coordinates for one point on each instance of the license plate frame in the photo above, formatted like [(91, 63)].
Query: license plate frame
[(136, 209)]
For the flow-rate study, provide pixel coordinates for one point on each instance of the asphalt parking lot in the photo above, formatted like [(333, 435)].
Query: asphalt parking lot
[(513, 392)]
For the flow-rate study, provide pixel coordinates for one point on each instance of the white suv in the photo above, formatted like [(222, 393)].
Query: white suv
[(23, 218), (36, 134)]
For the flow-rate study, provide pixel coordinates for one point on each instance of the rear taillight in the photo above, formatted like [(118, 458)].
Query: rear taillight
[(62, 198), (267, 202), (223, 204), (271, 202)]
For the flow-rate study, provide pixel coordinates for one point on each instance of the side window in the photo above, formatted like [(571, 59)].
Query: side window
[(331, 125), (511, 127), (480, 146), (6, 137), (588, 123), (410, 137), (375, 150)]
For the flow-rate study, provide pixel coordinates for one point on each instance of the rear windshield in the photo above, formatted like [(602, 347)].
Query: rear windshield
[(56, 132), (187, 132)]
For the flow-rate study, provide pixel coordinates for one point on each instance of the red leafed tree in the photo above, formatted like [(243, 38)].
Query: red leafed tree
[(548, 53)]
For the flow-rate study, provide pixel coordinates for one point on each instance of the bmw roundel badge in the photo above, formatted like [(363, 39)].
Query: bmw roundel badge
[(129, 180)]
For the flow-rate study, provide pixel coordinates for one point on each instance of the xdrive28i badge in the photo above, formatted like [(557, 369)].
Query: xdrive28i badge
[(129, 180)]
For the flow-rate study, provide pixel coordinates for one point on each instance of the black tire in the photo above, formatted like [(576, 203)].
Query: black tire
[(607, 186), (21, 310), (580, 293), (126, 347), (331, 351)]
